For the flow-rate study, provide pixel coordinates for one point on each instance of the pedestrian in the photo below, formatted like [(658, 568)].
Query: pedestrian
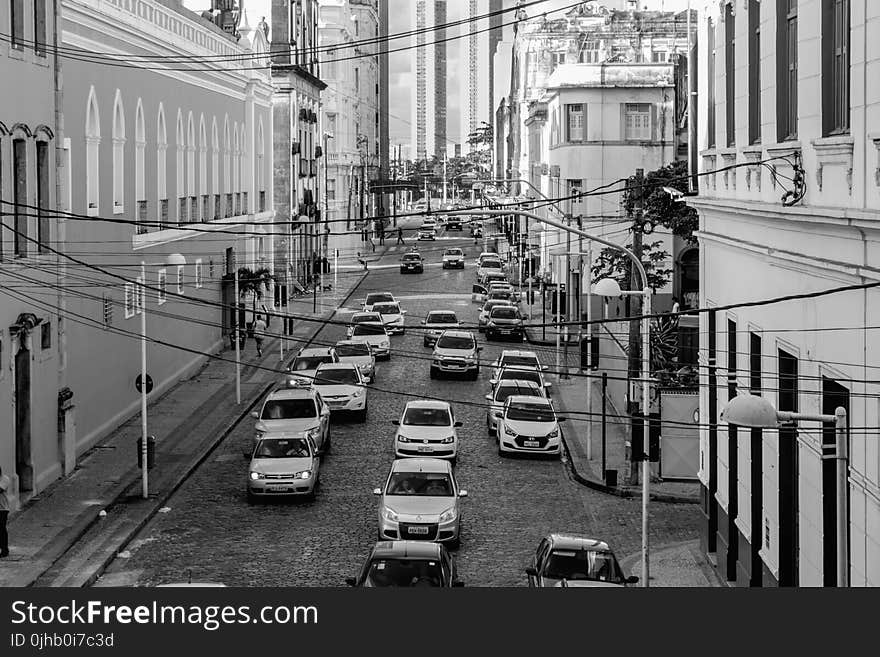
[(363, 261), (400, 235), (676, 307), (382, 234), (242, 339), (260, 328), (5, 483), (372, 244)]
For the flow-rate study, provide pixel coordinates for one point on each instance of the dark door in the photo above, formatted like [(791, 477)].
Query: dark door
[(23, 467), (712, 456), (833, 395), (788, 473)]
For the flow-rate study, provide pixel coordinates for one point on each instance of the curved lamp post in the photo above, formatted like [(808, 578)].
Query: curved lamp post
[(173, 260), (746, 410)]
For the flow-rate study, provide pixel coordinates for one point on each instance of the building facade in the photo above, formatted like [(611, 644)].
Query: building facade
[(36, 413), (476, 86), (428, 107), (790, 118), (158, 162)]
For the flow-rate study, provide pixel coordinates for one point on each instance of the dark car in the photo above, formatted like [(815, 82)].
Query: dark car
[(453, 222), (407, 563), (505, 322), (412, 263)]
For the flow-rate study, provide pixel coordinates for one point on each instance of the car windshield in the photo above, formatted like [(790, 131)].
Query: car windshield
[(491, 264), (387, 308), (289, 409), (276, 448), (596, 565), (522, 375), (412, 258), (376, 298), (442, 318), (336, 377), (365, 317), (453, 252), (531, 412), (455, 342), (426, 484), (531, 361), (310, 362), (404, 572), (368, 329), (504, 313), (427, 417), (504, 392), (356, 349), (489, 305)]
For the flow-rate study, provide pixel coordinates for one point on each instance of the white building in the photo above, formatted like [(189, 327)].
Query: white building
[(791, 99), (476, 84), (428, 106)]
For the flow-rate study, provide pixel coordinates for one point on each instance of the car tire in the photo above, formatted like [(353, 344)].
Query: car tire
[(454, 545), (433, 373), (251, 498), (328, 444), (362, 415)]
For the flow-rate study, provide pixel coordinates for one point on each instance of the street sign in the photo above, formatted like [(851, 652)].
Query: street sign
[(137, 383)]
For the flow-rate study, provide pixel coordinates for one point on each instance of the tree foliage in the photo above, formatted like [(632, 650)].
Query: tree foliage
[(613, 263), (659, 207)]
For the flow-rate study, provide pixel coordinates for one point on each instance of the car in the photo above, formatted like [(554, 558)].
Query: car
[(392, 316), (453, 259), (486, 308), (295, 410), (453, 222), (515, 357), (501, 392), (427, 232), (430, 221), (283, 464), (309, 358), (362, 318), (456, 352), (405, 564), (377, 297), (503, 286), (343, 389), (361, 355), (570, 560), (487, 266), (502, 295), (529, 424), (476, 229), (492, 276), (426, 428), (490, 255), (374, 334), (506, 322), (420, 205), (412, 262), (437, 321), (522, 372), (420, 501)]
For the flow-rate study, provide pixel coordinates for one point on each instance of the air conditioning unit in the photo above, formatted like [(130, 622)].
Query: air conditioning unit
[(554, 171)]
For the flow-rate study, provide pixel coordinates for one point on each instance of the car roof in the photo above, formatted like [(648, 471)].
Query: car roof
[(458, 334), (314, 351), (420, 465), (431, 312), (428, 403), (575, 542), (412, 255), (291, 393), (517, 352), (336, 366), (414, 549), (379, 294), (529, 399), (518, 383)]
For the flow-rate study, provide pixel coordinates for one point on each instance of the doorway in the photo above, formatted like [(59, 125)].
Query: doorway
[(23, 467), (833, 396), (789, 545)]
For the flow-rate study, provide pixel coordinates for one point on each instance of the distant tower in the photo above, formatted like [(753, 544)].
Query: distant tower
[(429, 133)]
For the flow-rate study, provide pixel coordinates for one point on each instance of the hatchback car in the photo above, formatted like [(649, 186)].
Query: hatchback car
[(377, 297), (361, 355), (392, 316), (514, 357), (435, 323), (343, 389), (375, 335), (529, 425), (501, 392), (483, 317), (426, 428), (309, 358), (419, 501), (282, 464), (427, 232), (505, 322), (489, 265), (570, 560), (453, 259), (456, 352), (412, 263), (361, 318), (296, 410), (522, 372), (407, 563)]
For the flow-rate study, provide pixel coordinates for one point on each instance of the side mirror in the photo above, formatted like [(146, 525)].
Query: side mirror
[(489, 398), (396, 423), (424, 321), (545, 367), (494, 382), (458, 423), (377, 491), (632, 579), (547, 384), (351, 581), (462, 493), (255, 415), (531, 570), (403, 312)]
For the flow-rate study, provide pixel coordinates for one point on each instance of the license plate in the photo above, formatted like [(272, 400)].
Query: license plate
[(531, 443), (504, 331), (425, 448), (417, 530)]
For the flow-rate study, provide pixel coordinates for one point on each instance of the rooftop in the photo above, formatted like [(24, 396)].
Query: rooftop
[(611, 75)]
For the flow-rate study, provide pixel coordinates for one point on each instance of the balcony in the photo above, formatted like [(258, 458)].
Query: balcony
[(228, 212), (163, 214), (194, 208), (262, 200), (142, 218), (244, 202), (182, 210), (217, 213)]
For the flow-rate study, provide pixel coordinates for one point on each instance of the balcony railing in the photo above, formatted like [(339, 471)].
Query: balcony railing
[(194, 208), (142, 218), (313, 169), (262, 201), (244, 203), (228, 212), (163, 214), (182, 208), (206, 207), (237, 204), (217, 213)]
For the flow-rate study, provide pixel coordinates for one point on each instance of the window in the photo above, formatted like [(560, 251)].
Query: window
[(118, 155), (129, 300), (19, 181), (658, 56), (40, 27), (786, 69), (731, 359), (574, 122), (107, 310), (161, 294), (139, 296), (637, 124), (754, 72), (46, 335), (16, 20), (140, 195), (710, 121), (357, 79), (331, 189), (162, 169), (180, 279), (43, 203), (93, 141), (198, 273), (835, 67), (730, 72), (589, 52)]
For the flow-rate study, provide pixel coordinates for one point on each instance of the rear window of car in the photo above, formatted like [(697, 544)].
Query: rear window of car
[(522, 375), (289, 409), (412, 257), (369, 329), (336, 377), (365, 317), (506, 391), (387, 308), (442, 318), (531, 361), (353, 350), (376, 298), (491, 264)]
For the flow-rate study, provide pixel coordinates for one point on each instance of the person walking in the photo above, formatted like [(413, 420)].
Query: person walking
[(5, 483), (260, 328), (400, 235)]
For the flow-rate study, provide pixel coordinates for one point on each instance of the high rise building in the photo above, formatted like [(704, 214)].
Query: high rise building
[(496, 34), (477, 83), (429, 135)]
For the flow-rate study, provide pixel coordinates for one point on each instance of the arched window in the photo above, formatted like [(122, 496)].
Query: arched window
[(261, 174), (118, 155), (215, 167), (93, 142), (191, 168), (203, 169), (181, 171), (43, 136), (162, 168), (236, 169), (227, 186), (140, 142)]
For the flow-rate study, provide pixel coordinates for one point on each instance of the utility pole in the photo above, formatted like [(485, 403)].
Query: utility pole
[(634, 365), (348, 216), (394, 189), (445, 161)]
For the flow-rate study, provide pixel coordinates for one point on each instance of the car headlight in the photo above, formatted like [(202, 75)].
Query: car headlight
[(385, 344), (257, 475), (554, 433), (448, 515), (305, 474), (358, 393), (438, 361), (448, 441), (388, 514), (364, 366), (404, 439), (314, 433), (259, 434), (509, 431)]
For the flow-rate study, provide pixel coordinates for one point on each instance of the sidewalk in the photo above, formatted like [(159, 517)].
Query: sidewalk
[(678, 565), (67, 534)]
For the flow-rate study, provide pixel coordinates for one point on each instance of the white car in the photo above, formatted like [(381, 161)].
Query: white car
[(361, 318), (456, 352), (522, 373), (501, 392), (427, 428), (529, 425), (377, 297), (361, 355), (343, 388), (296, 410), (375, 335), (309, 358), (427, 232), (516, 357), (486, 309), (283, 465), (435, 323), (453, 259), (392, 316), (489, 266)]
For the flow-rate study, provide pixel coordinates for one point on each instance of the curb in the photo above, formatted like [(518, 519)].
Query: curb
[(548, 343), (71, 536)]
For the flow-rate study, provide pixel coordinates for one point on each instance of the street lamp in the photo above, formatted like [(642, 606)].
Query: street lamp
[(748, 410), (173, 260)]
